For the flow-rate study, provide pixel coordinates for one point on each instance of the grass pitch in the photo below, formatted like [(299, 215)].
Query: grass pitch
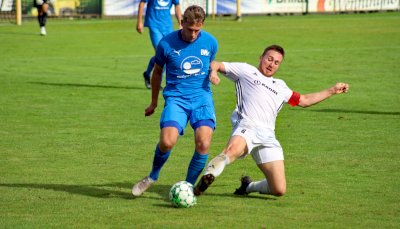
[(74, 137)]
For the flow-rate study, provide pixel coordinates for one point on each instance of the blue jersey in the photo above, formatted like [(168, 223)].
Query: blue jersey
[(158, 13), (187, 64)]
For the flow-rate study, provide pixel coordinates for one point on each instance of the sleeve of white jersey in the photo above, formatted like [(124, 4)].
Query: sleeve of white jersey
[(233, 70), (286, 91)]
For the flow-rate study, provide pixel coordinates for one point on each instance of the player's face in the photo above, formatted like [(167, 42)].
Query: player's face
[(190, 32), (270, 62)]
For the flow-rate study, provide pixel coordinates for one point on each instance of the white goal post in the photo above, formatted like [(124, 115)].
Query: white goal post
[(18, 12)]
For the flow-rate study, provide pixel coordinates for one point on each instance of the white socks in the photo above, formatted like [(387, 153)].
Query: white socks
[(217, 165), (259, 186)]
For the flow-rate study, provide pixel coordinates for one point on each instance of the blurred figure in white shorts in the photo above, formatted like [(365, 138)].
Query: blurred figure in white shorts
[(42, 7)]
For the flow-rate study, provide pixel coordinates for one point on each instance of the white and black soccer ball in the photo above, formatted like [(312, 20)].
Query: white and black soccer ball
[(181, 195)]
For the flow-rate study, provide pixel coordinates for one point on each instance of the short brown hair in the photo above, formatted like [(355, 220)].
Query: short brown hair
[(276, 48), (194, 15)]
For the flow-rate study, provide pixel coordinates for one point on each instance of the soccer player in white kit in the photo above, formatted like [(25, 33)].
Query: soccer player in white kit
[(259, 99), (42, 7)]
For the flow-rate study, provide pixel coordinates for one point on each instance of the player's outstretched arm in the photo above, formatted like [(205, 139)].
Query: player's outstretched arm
[(314, 98), (214, 69), (214, 78), (217, 67)]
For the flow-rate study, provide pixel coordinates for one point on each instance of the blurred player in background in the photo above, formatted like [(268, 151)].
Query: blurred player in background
[(42, 7), (158, 20), (259, 99), (187, 55)]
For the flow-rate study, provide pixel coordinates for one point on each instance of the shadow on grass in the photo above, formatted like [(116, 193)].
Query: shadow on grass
[(110, 190), (88, 85), (353, 111), (250, 196)]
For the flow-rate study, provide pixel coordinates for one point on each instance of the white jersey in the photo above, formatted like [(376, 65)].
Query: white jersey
[(259, 98)]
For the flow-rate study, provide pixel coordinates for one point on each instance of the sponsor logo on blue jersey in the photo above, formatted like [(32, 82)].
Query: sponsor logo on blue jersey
[(191, 66), (204, 52), (162, 4)]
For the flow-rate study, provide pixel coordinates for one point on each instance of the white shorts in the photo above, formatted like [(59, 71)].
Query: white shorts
[(41, 2), (261, 143)]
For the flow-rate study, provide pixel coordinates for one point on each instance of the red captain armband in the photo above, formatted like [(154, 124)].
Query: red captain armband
[(294, 99)]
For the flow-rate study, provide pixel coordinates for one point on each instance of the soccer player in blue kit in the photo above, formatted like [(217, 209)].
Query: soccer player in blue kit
[(187, 55), (158, 20)]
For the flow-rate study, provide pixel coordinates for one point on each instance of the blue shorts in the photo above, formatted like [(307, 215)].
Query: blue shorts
[(178, 111), (156, 34)]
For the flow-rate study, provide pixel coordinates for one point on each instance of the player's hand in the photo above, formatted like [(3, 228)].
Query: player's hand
[(214, 79), (139, 27), (341, 88), (149, 110)]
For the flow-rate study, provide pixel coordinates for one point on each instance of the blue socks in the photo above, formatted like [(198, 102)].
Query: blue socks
[(150, 66), (158, 162), (196, 166)]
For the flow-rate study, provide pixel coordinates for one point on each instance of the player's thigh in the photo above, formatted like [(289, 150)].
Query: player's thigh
[(274, 171), (175, 114), (203, 136), (241, 142), (167, 29), (203, 110), (45, 7), (155, 36), (236, 147)]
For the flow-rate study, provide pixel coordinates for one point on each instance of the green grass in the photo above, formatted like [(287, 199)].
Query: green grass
[(73, 136)]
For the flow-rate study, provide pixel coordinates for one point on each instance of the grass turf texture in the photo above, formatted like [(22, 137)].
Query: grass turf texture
[(74, 137)]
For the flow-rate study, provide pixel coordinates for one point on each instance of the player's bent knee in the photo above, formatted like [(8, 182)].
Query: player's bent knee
[(167, 142), (203, 146), (166, 145), (279, 191)]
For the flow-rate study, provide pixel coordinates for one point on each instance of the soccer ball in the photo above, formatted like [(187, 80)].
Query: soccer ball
[(181, 195)]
